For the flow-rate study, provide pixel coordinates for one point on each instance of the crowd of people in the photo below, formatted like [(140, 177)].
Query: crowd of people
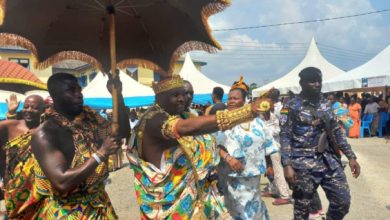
[(351, 109), (189, 161)]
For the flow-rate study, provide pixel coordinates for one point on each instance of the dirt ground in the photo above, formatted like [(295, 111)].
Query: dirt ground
[(370, 192)]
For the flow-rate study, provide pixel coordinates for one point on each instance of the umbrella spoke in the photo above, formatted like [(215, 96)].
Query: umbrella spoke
[(100, 4), (87, 7)]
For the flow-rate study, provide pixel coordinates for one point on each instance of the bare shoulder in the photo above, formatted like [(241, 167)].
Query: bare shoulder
[(46, 133), (155, 123)]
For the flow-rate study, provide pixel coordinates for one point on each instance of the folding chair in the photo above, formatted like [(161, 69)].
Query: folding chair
[(366, 122)]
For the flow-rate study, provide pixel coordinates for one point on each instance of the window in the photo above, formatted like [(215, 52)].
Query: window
[(156, 77), (82, 81), (23, 62), (92, 76)]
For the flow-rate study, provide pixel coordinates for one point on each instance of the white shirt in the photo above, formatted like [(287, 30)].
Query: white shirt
[(371, 108)]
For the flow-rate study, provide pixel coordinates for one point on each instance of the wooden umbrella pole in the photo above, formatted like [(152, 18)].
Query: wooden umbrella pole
[(115, 125)]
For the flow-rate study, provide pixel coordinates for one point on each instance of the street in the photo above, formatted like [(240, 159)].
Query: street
[(370, 192)]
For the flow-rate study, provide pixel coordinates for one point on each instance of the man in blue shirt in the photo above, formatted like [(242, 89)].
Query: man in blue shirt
[(306, 166)]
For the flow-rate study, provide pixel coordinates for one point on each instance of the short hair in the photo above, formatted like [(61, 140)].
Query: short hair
[(274, 94), (218, 92), (55, 81), (310, 73)]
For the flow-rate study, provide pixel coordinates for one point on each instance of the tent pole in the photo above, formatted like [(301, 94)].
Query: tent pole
[(115, 125)]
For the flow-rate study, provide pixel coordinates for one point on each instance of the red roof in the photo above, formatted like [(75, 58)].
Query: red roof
[(13, 70)]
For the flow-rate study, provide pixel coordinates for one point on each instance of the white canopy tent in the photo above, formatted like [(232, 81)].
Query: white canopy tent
[(374, 73), (135, 94), (290, 81), (201, 83)]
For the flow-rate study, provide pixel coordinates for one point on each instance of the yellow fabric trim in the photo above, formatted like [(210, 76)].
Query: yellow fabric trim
[(24, 82), (2, 11), (207, 11)]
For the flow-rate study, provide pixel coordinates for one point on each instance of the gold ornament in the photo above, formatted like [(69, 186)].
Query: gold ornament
[(172, 83), (228, 119), (264, 106)]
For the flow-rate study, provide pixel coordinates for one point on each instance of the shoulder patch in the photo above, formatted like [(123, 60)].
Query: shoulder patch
[(283, 118)]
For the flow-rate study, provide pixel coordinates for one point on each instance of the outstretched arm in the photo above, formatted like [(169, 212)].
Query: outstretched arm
[(56, 164)]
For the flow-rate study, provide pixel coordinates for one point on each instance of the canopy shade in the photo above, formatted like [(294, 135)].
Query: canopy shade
[(201, 83), (16, 78), (152, 34), (290, 81), (373, 74)]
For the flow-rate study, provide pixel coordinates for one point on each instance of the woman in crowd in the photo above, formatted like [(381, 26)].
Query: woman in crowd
[(243, 150), (355, 110)]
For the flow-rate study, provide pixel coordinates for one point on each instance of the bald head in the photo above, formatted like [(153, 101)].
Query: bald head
[(38, 99), (33, 108)]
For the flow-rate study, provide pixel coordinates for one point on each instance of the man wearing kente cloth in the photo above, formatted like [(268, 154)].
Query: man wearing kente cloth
[(21, 199), (172, 156), (72, 147)]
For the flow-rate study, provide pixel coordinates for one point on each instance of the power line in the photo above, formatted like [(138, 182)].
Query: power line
[(302, 22), (346, 50)]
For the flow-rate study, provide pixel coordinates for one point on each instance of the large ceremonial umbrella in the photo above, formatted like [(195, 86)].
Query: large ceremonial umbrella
[(16, 78), (148, 33)]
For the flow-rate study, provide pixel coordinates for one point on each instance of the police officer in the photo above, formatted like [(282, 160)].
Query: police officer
[(303, 119)]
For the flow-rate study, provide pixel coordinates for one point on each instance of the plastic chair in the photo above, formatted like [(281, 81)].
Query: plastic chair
[(382, 124), (366, 122)]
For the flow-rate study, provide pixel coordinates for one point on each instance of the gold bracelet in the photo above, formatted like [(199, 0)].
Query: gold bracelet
[(10, 116), (228, 119), (168, 129)]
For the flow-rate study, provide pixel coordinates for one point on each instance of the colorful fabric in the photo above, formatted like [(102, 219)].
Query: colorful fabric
[(355, 111), (170, 192), (89, 200), (243, 198), (249, 143), (342, 115), (21, 199)]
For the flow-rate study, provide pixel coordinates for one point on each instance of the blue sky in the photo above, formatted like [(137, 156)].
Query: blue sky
[(263, 55)]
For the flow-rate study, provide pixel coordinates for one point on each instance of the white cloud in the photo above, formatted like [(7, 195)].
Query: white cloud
[(365, 33)]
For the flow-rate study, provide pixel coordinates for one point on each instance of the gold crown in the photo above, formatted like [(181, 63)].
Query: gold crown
[(167, 84)]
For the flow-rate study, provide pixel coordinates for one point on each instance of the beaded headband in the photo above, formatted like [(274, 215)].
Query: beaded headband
[(167, 84)]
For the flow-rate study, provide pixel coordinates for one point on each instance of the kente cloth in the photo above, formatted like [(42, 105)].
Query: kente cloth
[(89, 200), (21, 199), (170, 192)]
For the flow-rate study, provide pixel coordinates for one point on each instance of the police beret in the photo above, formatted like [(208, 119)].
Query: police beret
[(310, 73)]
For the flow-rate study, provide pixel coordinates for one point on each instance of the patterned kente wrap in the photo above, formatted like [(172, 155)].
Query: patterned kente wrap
[(171, 192), (21, 199), (89, 200)]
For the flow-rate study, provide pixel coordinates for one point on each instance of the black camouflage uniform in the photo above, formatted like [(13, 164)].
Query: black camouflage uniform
[(299, 137)]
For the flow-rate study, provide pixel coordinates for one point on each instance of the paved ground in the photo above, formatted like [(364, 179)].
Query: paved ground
[(370, 192)]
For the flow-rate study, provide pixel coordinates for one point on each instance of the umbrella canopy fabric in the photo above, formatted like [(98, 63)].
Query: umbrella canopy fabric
[(16, 78), (152, 34)]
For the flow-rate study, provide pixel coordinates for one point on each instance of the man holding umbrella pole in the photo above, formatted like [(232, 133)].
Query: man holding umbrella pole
[(72, 148)]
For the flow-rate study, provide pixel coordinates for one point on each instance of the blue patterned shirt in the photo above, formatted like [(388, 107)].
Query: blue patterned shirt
[(250, 143)]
